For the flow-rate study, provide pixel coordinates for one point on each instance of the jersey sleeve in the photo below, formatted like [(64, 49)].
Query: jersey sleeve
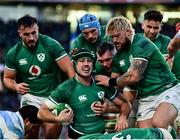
[(144, 50), (62, 93), (56, 49)]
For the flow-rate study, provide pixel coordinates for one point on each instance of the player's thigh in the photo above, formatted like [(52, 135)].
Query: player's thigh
[(167, 107), (165, 114), (144, 123)]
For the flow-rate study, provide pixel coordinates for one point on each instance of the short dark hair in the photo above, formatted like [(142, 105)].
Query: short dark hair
[(30, 112), (26, 21), (153, 14), (104, 47)]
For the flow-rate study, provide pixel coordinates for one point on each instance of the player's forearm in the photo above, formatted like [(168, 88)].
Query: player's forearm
[(112, 109), (47, 116), (173, 46), (125, 79), (9, 83), (125, 109), (133, 75)]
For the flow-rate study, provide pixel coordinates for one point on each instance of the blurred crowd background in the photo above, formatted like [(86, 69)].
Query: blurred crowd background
[(58, 19)]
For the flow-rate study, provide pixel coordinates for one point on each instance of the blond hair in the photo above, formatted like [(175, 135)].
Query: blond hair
[(118, 23)]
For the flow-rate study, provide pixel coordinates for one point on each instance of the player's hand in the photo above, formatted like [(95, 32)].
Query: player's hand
[(102, 80), (100, 108), (66, 116), (22, 88), (122, 123)]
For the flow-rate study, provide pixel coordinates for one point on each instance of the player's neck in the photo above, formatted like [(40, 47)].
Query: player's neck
[(85, 80)]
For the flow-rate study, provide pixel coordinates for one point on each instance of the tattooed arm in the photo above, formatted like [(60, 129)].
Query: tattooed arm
[(132, 76), (134, 73)]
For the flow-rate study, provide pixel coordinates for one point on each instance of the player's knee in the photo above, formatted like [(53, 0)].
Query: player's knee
[(159, 123)]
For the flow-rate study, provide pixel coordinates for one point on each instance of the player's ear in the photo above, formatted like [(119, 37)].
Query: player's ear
[(129, 32), (142, 25), (19, 32), (26, 122)]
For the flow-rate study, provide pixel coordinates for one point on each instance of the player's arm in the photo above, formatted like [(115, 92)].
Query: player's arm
[(45, 113), (130, 94), (174, 45), (9, 81), (134, 73), (1, 85), (132, 76), (125, 108), (66, 66)]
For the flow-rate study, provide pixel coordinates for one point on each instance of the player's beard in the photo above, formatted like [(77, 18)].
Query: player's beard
[(32, 45), (92, 40), (127, 44)]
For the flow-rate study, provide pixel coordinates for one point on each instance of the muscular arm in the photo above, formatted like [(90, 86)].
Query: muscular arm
[(9, 82), (9, 79), (1, 85), (134, 73), (132, 76), (46, 115), (125, 107), (174, 45), (66, 65)]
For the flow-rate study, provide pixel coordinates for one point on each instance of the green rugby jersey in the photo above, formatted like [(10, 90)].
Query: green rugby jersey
[(81, 99), (37, 67), (161, 42), (127, 134), (157, 76)]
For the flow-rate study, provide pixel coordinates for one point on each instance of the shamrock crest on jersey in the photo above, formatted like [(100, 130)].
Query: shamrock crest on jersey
[(101, 94), (41, 57)]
